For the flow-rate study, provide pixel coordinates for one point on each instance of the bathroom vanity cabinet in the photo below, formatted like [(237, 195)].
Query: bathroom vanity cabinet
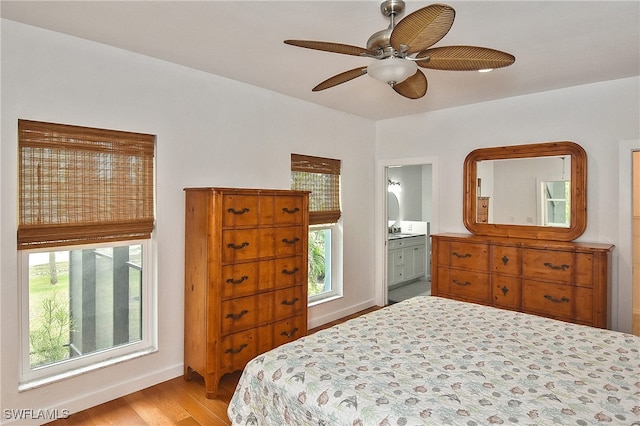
[(406, 258)]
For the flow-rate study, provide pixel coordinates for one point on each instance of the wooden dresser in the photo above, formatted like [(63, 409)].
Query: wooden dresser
[(245, 276), (564, 280)]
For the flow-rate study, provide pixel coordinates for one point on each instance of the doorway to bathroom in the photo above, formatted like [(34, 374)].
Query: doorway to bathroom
[(409, 196)]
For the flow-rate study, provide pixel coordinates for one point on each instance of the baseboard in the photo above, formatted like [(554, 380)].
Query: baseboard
[(317, 321)]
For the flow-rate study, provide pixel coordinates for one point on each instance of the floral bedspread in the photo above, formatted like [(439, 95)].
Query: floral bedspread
[(430, 360)]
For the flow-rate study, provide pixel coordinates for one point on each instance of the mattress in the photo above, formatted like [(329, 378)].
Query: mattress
[(430, 360)]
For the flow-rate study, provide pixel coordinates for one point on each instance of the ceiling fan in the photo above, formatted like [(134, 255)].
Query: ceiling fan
[(406, 45)]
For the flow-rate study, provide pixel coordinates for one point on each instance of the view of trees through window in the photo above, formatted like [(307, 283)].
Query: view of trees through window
[(83, 301), (319, 269)]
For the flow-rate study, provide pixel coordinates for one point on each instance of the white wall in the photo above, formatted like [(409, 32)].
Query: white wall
[(596, 116), (210, 132)]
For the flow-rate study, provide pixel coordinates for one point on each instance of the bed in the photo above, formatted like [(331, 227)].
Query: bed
[(431, 360)]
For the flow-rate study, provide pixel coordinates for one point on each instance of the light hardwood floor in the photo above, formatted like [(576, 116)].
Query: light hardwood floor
[(174, 402)]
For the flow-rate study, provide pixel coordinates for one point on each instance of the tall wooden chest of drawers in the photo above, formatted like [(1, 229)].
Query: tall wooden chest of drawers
[(482, 207), (245, 276), (563, 280)]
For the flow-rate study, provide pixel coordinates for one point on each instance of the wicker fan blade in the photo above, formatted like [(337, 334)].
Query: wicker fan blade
[(414, 87), (464, 58), (345, 49), (340, 78), (423, 28)]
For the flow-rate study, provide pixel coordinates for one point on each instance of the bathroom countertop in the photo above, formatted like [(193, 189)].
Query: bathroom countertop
[(402, 235)]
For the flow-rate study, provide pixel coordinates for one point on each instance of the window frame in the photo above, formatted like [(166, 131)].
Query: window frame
[(335, 264), (30, 378)]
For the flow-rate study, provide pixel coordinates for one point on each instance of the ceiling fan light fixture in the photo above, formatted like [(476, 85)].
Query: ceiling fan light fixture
[(485, 70), (392, 70)]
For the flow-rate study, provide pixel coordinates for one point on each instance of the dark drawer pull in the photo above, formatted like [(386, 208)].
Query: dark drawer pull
[(505, 260), (295, 240), (554, 300), (559, 268), (232, 281), (236, 351), (236, 247), (234, 211), (290, 333), (461, 283), (291, 272), (504, 290), (238, 316), (287, 210), (289, 303), (461, 256)]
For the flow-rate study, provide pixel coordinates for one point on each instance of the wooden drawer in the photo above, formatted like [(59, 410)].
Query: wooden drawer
[(240, 210), (250, 244), (288, 302), (464, 255), (506, 291), (505, 259), (288, 241), (288, 211), (239, 348), (246, 312), (558, 301), (242, 279), (288, 330), (466, 285), (253, 210), (564, 266)]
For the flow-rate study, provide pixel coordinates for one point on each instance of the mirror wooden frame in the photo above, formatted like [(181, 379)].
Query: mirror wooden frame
[(578, 191)]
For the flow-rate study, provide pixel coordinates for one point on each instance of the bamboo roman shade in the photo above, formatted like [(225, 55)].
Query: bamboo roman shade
[(81, 185), (321, 176)]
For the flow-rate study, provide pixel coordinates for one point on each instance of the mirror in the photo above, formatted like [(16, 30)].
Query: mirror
[(393, 208), (526, 191)]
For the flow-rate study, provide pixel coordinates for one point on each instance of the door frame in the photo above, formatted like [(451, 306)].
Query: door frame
[(380, 215), (621, 294)]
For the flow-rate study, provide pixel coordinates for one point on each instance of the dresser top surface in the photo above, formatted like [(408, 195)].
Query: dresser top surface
[(528, 242), (248, 191)]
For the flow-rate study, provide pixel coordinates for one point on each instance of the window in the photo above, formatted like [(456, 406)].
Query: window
[(321, 176), (556, 203), (86, 213)]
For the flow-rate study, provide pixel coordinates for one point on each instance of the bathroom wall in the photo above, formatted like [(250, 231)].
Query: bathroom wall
[(414, 195)]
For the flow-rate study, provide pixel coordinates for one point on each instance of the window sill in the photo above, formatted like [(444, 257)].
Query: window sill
[(324, 300), (36, 383)]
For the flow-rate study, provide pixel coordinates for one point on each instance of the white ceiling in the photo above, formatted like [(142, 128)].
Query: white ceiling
[(556, 44)]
